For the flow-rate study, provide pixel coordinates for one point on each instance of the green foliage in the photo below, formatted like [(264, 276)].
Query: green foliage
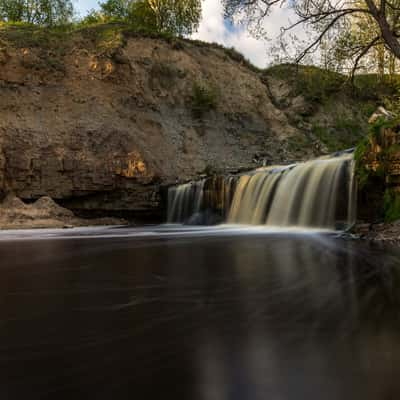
[(142, 18), (104, 36), (314, 84), (337, 111), (37, 12), (362, 173), (298, 143), (28, 35), (204, 99), (349, 35), (361, 150), (391, 205), (93, 17), (177, 18), (319, 86), (383, 123), (165, 74), (376, 87), (367, 108), (393, 149), (343, 134), (138, 14), (365, 175), (116, 9), (325, 136)]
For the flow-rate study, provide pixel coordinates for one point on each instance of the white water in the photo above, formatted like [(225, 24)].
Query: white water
[(185, 201), (320, 193)]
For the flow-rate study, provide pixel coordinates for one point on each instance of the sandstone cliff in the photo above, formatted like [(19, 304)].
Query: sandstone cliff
[(100, 119), (99, 125)]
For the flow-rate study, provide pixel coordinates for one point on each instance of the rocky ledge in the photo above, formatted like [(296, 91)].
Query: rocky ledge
[(385, 233)]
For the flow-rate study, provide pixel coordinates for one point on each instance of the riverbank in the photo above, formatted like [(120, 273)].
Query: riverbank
[(44, 213), (388, 233)]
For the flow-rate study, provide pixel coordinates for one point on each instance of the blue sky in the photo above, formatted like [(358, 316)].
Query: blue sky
[(213, 28), (84, 5)]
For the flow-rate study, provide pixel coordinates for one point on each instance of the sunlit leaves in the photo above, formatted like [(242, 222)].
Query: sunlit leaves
[(176, 17), (39, 12)]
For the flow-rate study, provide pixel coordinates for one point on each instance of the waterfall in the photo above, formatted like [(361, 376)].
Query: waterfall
[(318, 193), (185, 201)]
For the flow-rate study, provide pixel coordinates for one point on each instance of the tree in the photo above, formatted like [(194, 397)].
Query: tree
[(180, 17), (359, 25), (177, 17), (117, 9), (39, 12)]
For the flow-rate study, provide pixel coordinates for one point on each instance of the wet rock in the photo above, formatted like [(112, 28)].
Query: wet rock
[(362, 229), (384, 233)]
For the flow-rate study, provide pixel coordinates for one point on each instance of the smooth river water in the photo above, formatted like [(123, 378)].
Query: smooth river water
[(197, 314)]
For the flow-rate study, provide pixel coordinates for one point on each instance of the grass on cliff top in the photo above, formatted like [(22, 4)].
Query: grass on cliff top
[(31, 36), (26, 35), (318, 85), (314, 83), (104, 36)]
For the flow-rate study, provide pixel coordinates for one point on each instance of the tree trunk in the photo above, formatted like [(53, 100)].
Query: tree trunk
[(384, 27)]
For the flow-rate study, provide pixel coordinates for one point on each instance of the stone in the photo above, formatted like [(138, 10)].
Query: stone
[(113, 142), (380, 112)]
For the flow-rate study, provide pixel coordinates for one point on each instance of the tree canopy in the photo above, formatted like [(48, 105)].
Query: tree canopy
[(354, 28), (177, 17), (39, 12)]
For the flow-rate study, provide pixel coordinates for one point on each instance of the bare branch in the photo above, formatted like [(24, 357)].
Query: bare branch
[(361, 55)]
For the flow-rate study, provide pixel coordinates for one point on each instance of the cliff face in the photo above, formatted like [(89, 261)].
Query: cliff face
[(378, 170), (100, 126)]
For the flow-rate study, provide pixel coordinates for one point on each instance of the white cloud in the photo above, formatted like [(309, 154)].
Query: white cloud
[(213, 29)]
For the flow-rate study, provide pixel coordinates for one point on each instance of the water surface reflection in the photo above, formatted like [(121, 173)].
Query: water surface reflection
[(263, 316)]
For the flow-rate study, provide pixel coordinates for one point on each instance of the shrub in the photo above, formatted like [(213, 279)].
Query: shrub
[(204, 99), (165, 74), (363, 174), (391, 205), (343, 135), (313, 83)]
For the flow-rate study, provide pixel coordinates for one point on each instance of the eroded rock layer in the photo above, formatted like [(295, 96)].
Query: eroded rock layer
[(99, 128)]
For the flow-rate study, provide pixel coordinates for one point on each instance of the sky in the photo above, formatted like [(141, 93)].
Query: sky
[(213, 28)]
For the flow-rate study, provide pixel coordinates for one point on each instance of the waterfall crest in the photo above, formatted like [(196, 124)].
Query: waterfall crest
[(318, 193)]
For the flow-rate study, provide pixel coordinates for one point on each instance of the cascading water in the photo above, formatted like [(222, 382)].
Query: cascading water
[(318, 193), (189, 202), (185, 201)]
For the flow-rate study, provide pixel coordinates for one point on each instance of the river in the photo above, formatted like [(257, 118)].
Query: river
[(201, 313)]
